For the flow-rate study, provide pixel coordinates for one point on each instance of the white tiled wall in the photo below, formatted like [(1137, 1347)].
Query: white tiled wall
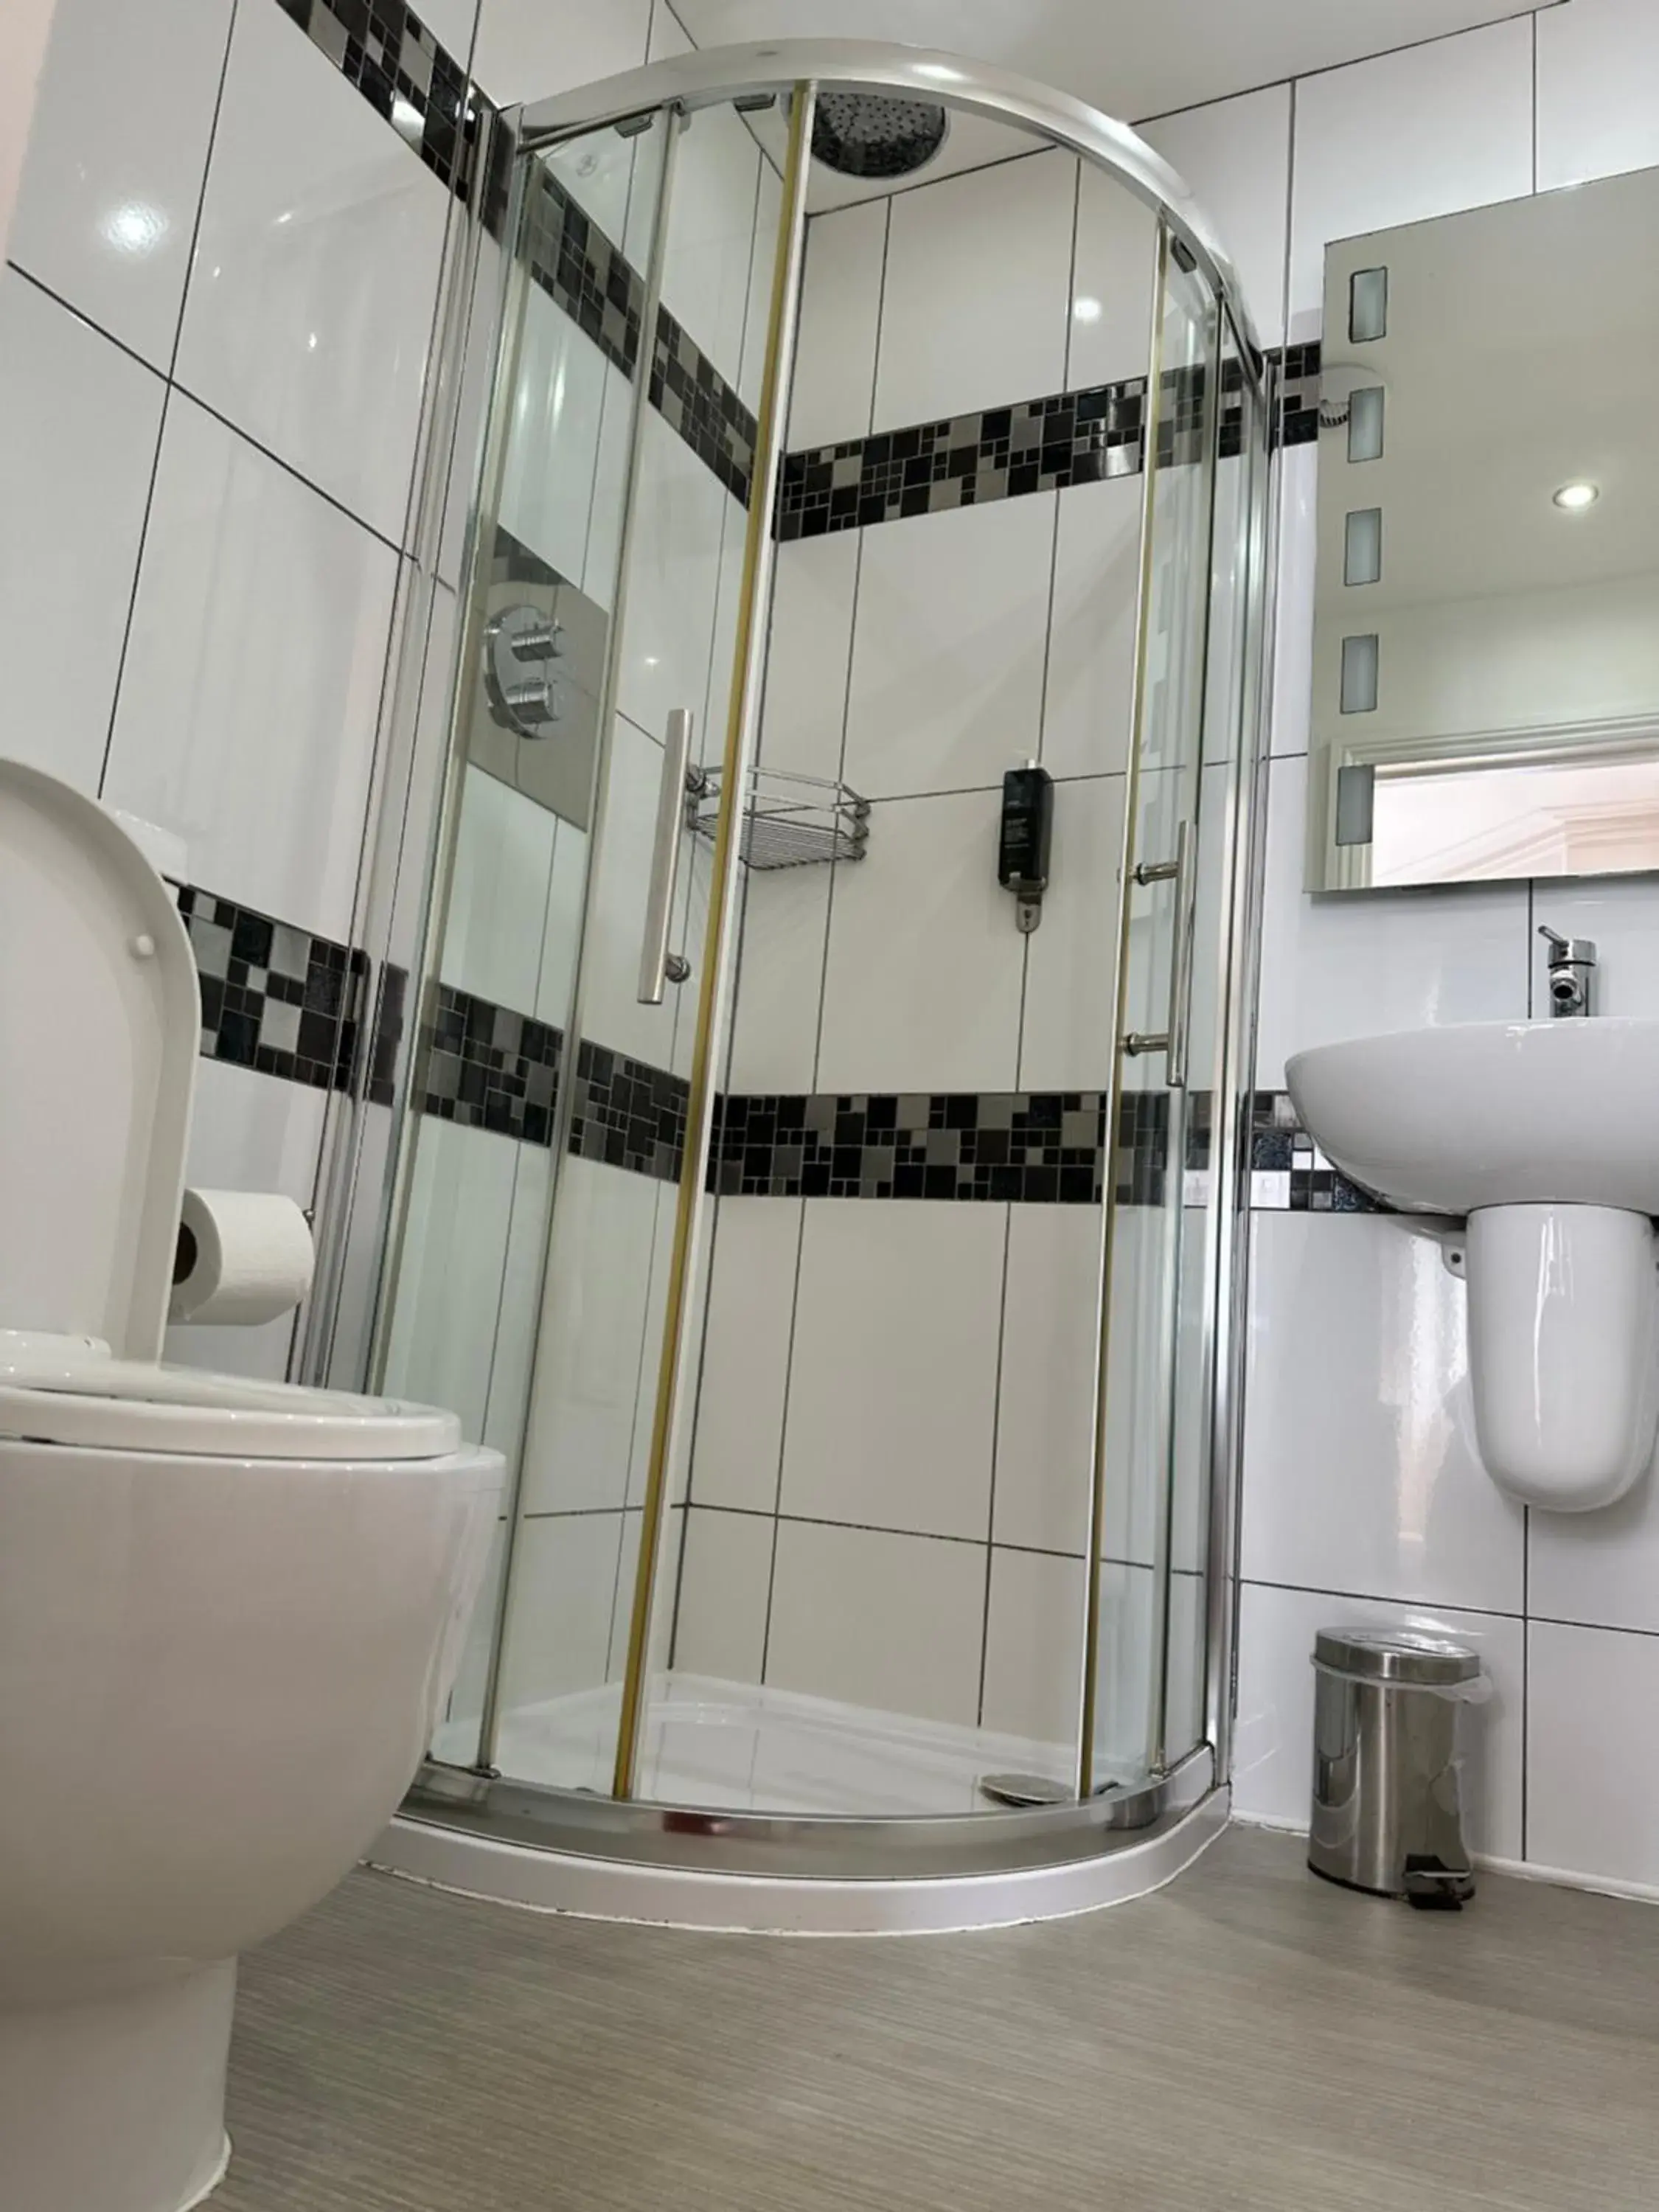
[(214, 339), (1363, 1496)]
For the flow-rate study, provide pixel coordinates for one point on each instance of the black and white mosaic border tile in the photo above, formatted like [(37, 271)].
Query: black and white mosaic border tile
[(287, 1003), (274, 998), (1288, 1171), (398, 66), (1025, 1147), (1035, 445)]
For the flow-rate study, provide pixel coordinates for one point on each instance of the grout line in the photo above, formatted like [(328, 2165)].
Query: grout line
[(1275, 444), (995, 1441), (201, 197), (91, 322), (288, 468), (1371, 1597), (1331, 68), (783, 1425), (169, 388)]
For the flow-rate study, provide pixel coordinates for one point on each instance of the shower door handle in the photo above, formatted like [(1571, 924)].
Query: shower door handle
[(658, 965), (1182, 871)]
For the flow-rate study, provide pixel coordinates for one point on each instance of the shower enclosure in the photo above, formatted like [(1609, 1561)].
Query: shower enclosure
[(845, 1248)]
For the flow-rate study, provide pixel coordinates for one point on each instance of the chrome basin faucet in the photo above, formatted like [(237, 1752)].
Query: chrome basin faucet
[(1572, 963)]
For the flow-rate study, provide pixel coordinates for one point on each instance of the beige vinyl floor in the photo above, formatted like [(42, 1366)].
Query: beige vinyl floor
[(1250, 2039)]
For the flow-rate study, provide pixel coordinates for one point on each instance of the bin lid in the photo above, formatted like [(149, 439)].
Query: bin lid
[(1396, 1655)]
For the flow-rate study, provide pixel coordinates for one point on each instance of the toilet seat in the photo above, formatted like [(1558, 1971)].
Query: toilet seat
[(109, 1405)]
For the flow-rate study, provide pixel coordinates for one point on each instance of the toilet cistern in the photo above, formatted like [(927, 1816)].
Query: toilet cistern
[(1545, 1136), (1572, 964)]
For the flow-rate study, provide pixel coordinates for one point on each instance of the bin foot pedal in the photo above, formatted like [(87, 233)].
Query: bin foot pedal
[(1433, 1886)]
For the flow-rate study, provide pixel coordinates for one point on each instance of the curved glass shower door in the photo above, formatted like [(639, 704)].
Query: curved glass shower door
[(866, 1477)]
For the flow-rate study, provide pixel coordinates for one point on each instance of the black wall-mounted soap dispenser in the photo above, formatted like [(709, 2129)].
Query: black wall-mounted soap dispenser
[(1025, 838)]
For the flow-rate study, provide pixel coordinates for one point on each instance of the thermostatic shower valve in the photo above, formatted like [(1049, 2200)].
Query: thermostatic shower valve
[(520, 646), (1028, 821)]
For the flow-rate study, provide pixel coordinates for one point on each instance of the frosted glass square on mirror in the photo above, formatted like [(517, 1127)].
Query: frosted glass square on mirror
[(1487, 412)]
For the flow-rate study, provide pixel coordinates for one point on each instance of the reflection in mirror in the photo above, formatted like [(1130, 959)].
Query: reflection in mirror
[(1486, 633)]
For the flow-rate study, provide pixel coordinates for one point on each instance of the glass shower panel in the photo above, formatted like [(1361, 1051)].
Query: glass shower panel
[(489, 1127), (1174, 853), (610, 1255)]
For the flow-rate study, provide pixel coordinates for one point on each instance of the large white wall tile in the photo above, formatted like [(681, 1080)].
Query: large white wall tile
[(1034, 1648), (1273, 1765), (449, 1290), (1088, 707), (248, 707), (559, 1615), (1425, 132), (1046, 1404), (587, 1387), (1113, 277), (978, 291), (775, 1025), (498, 893), (79, 423), (1598, 70), (745, 1353), (1069, 1013), (1235, 156), (1592, 1792), (711, 232), (725, 1585), (564, 391), (922, 990), (1355, 965), (892, 1385), (891, 1623), (247, 1133), (113, 178), (561, 926), (1294, 612), (833, 383), (530, 49), (513, 1355), (673, 577), (1600, 1569), (1361, 1471), (309, 311), (949, 642), (809, 647)]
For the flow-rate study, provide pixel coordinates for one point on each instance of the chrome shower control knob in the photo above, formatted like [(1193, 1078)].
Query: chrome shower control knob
[(521, 640)]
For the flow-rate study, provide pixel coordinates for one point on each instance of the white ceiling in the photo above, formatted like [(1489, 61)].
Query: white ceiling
[(1131, 58)]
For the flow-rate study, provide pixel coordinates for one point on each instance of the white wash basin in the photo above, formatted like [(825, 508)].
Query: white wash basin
[(1546, 1134), (1492, 1113)]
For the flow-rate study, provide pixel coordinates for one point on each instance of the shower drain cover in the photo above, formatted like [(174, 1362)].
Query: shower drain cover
[(863, 134)]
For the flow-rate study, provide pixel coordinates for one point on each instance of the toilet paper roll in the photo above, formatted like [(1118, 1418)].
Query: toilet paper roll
[(244, 1256)]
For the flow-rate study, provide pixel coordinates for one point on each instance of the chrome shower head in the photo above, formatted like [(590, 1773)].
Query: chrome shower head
[(861, 134)]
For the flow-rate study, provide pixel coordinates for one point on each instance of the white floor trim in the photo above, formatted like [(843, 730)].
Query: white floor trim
[(598, 1889)]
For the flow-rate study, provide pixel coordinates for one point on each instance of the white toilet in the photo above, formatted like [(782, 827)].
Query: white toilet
[(229, 1611)]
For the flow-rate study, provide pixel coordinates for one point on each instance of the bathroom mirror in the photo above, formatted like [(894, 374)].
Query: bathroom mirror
[(1485, 665)]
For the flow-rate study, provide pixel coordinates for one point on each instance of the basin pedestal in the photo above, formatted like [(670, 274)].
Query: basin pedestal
[(1563, 1350)]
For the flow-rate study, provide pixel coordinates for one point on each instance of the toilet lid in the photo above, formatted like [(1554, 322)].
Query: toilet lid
[(99, 1026), (131, 1406)]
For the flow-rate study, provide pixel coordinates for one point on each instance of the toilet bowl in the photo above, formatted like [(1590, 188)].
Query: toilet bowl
[(229, 1610)]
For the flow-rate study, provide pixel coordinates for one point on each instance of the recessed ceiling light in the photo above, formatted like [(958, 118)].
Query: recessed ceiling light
[(1573, 496), (1085, 310)]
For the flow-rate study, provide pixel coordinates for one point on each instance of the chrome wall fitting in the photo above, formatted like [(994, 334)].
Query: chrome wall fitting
[(520, 646), (1572, 966)]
